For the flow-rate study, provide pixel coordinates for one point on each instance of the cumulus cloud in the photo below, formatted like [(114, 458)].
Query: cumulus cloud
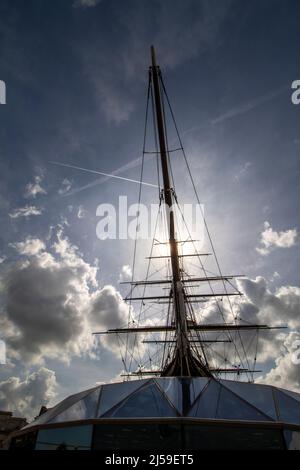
[(286, 373), (115, 86), (280, 307), (108, 310), (27, 211), (53, 302), (35, 188), (270, 239), (26, 397), (258, 306)]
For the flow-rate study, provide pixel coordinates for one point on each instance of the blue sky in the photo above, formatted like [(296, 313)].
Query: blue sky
[(76, 77)]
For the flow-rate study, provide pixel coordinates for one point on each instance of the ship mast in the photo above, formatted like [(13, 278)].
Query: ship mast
[(183, 363)]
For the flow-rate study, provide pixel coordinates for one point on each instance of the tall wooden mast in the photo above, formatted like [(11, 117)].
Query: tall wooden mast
[(183, 362)]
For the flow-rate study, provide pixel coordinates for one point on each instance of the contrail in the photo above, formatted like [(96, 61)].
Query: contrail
[(103, 174), (132, 164), (238, 110)]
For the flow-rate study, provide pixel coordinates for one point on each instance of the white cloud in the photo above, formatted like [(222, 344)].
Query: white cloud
[(26, 397), (33, 189), (31, 246), (126, 273), (53, 302), (66, 185), (286, 373), (81, 213), (27, 211), (270, 239), (280, 307), (242, 171)]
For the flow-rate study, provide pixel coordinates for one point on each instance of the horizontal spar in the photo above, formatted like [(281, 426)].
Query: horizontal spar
[(207, 327), (197, 340), (189, 296), (193, 279), (179, 256), (223, 371), (176, 241)]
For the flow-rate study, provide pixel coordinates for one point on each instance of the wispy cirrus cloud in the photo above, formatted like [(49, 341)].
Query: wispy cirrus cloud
[(248, 106), (115, 77), (85, 3)]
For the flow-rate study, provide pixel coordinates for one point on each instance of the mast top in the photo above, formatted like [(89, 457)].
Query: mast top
[(153, 57)]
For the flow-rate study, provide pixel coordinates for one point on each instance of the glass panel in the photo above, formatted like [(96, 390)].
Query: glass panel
[(294, 395), (230, 406), (59, 408), (206, 404), (289, 409), (260, 396), (182, 392), (146, 402), (141, 436), (292, 439), (66, 438), (218, 437), (172, 388), (197, 386), (112, 394), (85, 408)]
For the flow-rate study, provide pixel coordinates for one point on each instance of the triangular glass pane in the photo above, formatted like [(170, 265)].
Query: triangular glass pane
[(230, 406), (85, 408), (60, 407), (112, 394), (197, 385), (146, 402), (173, 390), (206, 404), (294, 395), (289, 408), (259, 396)]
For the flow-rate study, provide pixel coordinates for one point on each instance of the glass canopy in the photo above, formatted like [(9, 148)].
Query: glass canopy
[(175, 397)]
